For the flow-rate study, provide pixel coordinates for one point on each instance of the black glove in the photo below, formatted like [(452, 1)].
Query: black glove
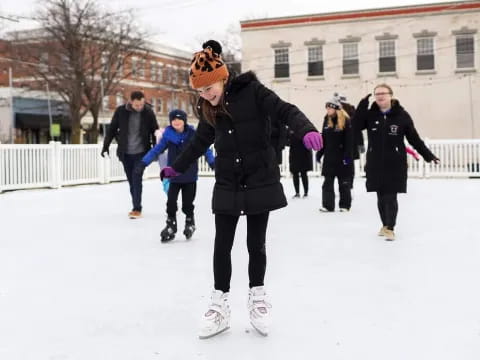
[(363, 104), (361, 149), (104, 150), (139, 168), (318, 156)]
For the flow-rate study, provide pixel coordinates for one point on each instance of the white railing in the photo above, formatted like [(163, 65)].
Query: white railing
[(55, 165)]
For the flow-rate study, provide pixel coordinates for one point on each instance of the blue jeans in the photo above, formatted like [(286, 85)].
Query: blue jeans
[(129, 162)]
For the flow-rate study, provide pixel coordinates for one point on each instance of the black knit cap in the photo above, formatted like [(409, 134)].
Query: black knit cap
[(177, 114)]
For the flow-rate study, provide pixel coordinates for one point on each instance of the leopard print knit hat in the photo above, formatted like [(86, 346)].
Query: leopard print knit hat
[(207, 65)]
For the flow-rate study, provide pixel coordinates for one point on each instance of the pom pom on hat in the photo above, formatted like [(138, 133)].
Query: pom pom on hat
[(215, 45)]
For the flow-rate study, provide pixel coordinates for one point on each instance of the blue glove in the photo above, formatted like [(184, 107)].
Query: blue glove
[(347, 161), (212, 165), (166, 185)]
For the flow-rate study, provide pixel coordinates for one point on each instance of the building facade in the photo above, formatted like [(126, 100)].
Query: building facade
[(162, 75), (427, 53)]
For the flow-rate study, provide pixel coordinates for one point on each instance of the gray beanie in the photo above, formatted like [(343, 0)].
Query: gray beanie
[(334, 103)]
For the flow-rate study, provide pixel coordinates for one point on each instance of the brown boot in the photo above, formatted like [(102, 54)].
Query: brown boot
[(389, 235), (135, 214), (382, 231)]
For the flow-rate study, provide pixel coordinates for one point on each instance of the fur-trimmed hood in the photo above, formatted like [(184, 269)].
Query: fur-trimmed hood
[(237, 82)]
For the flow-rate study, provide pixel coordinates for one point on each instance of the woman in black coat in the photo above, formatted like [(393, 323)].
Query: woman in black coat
[(388, 124), (237, 115), (337, 152), (300, 162)]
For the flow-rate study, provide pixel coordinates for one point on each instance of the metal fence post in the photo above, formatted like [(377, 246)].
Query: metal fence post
[(3, 167)]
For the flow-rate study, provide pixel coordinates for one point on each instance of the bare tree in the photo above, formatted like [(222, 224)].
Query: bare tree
[(111, 51), (67, 54)]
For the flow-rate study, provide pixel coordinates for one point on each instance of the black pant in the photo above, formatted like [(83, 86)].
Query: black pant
[(388, 208), (129, 162), (225, 226), (189, 191), (328, 193), (296, 181)]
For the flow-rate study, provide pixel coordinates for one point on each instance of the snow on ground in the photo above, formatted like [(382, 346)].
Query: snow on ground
[(79, 280)]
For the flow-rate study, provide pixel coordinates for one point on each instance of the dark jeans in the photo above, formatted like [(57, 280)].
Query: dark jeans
[(296, 181), (188, 196), (225, 226), (388, 208), (129, 162), (328, 193)]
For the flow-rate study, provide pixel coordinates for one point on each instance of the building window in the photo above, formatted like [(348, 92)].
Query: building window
[(105, 103), (134, 67), (465, 51), (153, 71), (174, 76), (168, 75), (425, 56), (158, 107), (350, 58), (315, 61), (282, 67), (141, 68), (119, 99), (159, 73), (387, 60)]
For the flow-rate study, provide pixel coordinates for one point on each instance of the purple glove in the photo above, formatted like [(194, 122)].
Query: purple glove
[(313, 140), (168, 172)]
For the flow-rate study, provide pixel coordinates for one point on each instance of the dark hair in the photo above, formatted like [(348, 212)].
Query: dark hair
[(136, 95)]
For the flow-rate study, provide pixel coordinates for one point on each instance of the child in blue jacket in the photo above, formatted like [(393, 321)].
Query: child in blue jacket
[(175, 138)]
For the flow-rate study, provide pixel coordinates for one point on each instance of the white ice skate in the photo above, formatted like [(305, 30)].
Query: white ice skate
[(217, 317), (259, 309)]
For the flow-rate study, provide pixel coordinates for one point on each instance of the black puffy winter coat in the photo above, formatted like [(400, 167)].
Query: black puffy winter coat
[(386, 165), (299, 158), (118, 129), (337, 148), (246, 169)]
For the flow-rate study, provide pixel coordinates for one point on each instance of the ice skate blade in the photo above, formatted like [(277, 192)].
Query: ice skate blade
[(260, 331), (203, 337), (166, 239)]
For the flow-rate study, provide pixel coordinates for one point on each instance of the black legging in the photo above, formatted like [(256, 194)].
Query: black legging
[(188, 196), (328, 193), (388, 208), (296, 181), (225, 226)]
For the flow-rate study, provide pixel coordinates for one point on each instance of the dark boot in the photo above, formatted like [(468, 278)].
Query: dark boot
[(168, 233), (189, 227)]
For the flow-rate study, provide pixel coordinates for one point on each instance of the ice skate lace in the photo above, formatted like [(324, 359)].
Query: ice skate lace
[(219, 312), (261, 306)]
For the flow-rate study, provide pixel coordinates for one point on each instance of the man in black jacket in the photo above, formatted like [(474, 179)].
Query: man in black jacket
[(133, 126)]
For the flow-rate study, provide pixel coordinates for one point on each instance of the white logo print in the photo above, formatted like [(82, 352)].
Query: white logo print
[(393, 130)]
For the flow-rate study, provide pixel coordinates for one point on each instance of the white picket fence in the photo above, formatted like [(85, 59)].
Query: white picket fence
[(54, 165)]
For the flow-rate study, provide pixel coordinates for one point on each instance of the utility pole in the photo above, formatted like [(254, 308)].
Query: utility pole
[(49, 113), (102, 94), (471, 105), (12, 110)]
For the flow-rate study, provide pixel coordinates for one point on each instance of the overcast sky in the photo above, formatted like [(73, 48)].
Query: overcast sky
[(184, 22)]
